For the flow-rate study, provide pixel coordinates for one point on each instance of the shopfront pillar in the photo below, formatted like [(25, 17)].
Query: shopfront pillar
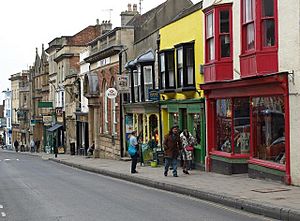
[(91, 125)]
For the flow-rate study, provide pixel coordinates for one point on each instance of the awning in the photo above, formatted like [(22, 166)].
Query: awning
[(54, 127), (146, 57)]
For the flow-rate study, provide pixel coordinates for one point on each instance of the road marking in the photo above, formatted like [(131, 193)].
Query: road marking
[(3, 214), (1, 207), (17, 159), (7, 159)]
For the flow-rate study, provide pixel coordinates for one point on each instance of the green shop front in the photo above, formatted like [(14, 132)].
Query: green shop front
[(187, 114)]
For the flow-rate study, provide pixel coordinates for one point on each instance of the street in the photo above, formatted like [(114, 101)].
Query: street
[(32, 189)]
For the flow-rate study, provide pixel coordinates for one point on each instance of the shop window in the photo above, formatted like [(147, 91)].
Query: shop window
[(241, 112), (223, 125), (196, 127), (167, 67), (268, 128), (148, 81)]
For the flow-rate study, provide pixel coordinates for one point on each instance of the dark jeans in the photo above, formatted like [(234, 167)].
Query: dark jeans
[(173, 163), (134, 159)]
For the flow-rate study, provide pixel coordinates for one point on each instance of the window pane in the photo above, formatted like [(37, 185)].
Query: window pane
[(250, 36), (196, 127), (225, 46), (162, 62), (224, 21), (180, 77), (248, 10), (223, 121), (241, 110), (148, 75), (210, 25), (147, 88), (190, 75), (179, 57), (163, 79), (211, 49), (267, 8), (170, 58), (171, 79), (268, 33), (268, 128)]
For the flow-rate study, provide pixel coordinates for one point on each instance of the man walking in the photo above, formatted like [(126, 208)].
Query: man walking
[(172, 146), (16, 145)]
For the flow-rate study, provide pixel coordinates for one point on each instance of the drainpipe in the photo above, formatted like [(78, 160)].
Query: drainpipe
[(159, 83)]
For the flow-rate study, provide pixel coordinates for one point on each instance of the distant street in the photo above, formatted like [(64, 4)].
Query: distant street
[(32, 189)]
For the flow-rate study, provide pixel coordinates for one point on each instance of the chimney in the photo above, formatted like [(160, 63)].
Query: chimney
[(126, 16), (135, 7), (129, 7), (105, 26), (97, 21)]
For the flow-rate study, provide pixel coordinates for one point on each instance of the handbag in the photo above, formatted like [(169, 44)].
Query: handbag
[(131, 150), (189, 148)]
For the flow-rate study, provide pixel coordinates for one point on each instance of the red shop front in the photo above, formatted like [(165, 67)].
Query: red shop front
[(248, 127)]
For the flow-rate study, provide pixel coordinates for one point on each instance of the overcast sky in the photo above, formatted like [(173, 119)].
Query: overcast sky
[(26, 24)]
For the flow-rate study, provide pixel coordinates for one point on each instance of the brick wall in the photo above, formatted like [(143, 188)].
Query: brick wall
[(85, 36)]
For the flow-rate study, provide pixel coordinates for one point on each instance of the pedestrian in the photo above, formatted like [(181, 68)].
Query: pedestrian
[(133, 151), (188, 142), (55, 149), (32, 145), (172, 147), (90, 150), (16, 145)]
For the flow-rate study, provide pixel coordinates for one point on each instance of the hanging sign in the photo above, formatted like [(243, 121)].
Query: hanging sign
[(111, 93), (123, 83)]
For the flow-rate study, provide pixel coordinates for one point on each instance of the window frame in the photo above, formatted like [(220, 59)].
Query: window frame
[(166, 53), (185, 77)]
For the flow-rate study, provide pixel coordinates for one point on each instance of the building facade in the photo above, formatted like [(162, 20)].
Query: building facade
[(7, 133), (249, 86), (180, 61)]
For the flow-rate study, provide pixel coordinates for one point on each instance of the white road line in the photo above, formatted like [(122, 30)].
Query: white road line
[(1, 207), (3, 214), (7, 159), (17, 159)]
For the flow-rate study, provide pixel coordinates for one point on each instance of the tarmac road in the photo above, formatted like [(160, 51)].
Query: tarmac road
[(32, 189)]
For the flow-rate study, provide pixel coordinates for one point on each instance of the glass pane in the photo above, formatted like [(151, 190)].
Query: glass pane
[(171, 79), (189, 56), (148, 75), (180, 77), (190, 75), (147, 88), (224, 21), (179, 57), (210, 25), (267, 8), (211, 49), (241, 110), (268, 117), (135, 78), (248, 10), (170, 58), (225, 46), (196, 128), (163, 79), (250, 36), (268, 33), (223, 125), (162, 62)]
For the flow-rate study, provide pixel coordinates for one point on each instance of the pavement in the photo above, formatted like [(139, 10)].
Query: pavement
[(262, 197)]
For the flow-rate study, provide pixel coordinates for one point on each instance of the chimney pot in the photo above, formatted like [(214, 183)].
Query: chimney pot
[(134, 7), (129, 7), (97, 21)]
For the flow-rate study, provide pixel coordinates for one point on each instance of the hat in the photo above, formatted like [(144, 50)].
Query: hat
[(174, 126)]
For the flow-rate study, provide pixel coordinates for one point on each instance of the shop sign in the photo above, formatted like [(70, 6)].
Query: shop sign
[(153, 94), (123, 84), (47, 120), (111, 93), (59, 119)]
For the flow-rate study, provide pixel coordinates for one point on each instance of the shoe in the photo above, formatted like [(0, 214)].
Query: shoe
[(175, 175), (186, 172), (134, 171), (166, 173)]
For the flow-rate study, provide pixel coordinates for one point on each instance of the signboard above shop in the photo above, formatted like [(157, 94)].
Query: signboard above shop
[(111, 93), (153, 94)]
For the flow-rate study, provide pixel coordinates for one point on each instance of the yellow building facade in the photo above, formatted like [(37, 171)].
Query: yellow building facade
[(181, 57)]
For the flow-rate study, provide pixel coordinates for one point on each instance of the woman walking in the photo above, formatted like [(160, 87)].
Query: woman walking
[(188, 142)]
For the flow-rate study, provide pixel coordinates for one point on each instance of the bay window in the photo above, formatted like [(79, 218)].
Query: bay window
[(185, 65), (167, 67), (218, 43), (137, 86), (259, 37)]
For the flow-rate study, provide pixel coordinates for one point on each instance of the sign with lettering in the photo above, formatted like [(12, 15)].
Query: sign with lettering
[(153, 94), (123, 83), (111, 93)]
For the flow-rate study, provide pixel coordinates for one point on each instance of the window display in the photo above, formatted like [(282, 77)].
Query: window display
[(224, 125), (268, 128), (241, 110), (196, 127)]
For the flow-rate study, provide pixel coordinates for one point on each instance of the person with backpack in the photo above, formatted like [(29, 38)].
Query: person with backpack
[(133, 151)]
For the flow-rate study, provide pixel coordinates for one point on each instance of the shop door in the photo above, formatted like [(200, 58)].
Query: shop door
[(183, 119)]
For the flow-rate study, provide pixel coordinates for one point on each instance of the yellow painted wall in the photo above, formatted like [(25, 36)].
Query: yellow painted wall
[(187, 29)]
